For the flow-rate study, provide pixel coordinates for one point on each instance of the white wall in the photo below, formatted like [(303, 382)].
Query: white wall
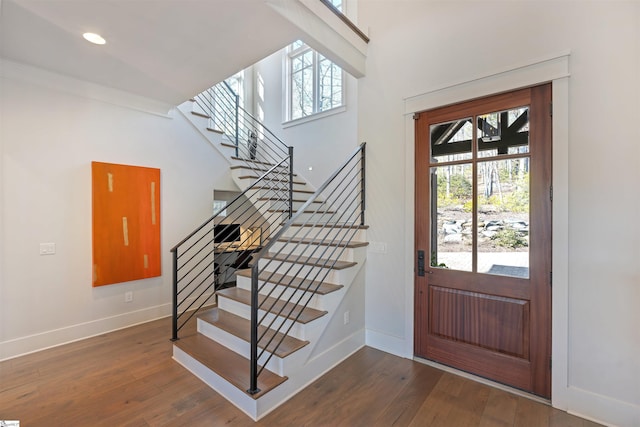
[(321, 144), (417, 47), (49, 136)]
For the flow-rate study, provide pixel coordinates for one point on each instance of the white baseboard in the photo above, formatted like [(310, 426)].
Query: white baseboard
[(29, 344), (387, 343), (602, 409)]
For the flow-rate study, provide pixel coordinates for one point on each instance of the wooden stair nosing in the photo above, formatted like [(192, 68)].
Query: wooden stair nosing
[(258, 169), (316, 262), (270, 179), (315, 286), (226, 144), (307, 212), (284, 189), (324, 242), (289, 310), (274, 199), (330, 226), (264, 167), (196, 113), (252, 161), (241, 328), (218, 131), (226, 363)]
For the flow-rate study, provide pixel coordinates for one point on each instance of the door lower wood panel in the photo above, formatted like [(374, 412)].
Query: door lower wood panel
[(488, 321)]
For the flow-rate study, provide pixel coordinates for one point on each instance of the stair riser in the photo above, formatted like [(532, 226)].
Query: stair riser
[(233, 394), (284, 204), (314, 251), (321, 233), (282, 193), (271, 184), (299, 270), (315, 302), (311, 216), (343, 276), (277, 365), (301, 331), (238, 345)]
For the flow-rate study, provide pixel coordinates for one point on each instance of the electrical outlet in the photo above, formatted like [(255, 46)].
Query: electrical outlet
[(346, 317), (378, 247), (47, 248), (128, 296)]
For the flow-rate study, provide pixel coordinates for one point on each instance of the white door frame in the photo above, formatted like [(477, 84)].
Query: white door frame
[(554, 69)]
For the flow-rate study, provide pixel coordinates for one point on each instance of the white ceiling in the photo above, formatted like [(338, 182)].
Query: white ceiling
[(167, 50)]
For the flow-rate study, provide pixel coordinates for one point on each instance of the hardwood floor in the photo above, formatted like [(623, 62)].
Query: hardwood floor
[(127, 378)]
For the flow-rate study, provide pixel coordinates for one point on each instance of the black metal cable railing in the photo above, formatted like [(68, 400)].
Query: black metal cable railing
[(253, 141), (318, 234), (208, 258)]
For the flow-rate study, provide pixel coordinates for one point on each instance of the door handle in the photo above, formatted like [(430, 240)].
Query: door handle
[(420, 263)]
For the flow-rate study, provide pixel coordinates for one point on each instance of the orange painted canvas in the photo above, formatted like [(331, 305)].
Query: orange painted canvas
[(126, 223)]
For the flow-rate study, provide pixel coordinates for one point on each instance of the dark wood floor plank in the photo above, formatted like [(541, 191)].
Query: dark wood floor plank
[(532, 414), (403, 408), (500, 409), (127, 378)]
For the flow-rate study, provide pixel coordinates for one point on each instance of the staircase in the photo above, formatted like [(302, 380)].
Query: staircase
[(286, 322)]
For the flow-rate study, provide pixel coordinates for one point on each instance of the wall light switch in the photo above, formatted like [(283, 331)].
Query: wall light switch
[(47, 248)]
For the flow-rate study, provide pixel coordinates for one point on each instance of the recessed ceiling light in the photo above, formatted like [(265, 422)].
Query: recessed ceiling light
[(94, 38)]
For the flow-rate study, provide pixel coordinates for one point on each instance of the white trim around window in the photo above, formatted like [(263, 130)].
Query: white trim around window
[(314, 86)]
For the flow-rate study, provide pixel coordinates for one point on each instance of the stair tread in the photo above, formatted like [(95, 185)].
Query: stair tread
[(196, 113), (260, 168), (218, 131), (318, 262), (227, 363), (321, 212), (241, 328), (325, 242), (315, 286), (289, 309), (271, 179), (260, 162), (359, 227), (226, 144), (284, 189), (275, 199)]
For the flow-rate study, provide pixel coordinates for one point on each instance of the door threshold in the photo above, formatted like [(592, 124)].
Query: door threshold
[(483, 380)]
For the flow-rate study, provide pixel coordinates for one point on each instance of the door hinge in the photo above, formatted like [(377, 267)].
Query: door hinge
[(550, 364), (551, 278), (551, 109), (416, 116), (551, 193)]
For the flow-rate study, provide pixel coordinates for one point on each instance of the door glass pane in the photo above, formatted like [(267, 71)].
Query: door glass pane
[(503, 217), (452, 217), (451, 141), (503, 132)]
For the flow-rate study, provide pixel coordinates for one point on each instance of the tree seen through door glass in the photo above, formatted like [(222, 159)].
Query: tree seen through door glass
[(503, 217), (452, 224), (500, 159)]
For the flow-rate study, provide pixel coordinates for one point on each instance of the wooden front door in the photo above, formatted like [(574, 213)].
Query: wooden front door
[(483, 237)]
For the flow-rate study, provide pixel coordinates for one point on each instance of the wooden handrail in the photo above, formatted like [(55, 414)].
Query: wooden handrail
[(346, 20)]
